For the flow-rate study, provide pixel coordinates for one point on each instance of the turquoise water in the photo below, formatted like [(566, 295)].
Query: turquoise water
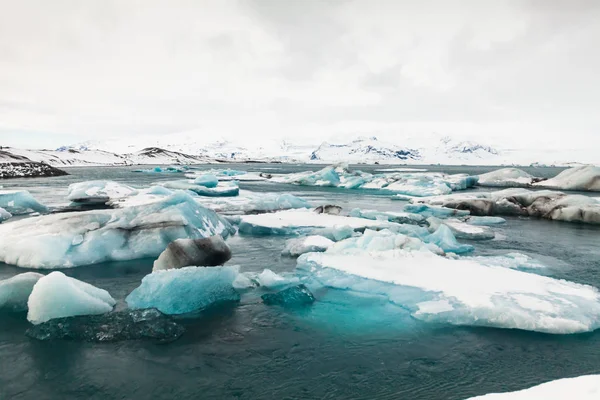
[(343, 348)]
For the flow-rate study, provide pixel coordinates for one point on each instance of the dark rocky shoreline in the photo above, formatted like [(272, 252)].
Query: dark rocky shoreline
[(28, 169)]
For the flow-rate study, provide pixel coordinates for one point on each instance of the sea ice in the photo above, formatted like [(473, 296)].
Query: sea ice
[(17, 202), (585, 178), (57, 295), (81, 238), (15, 291), (585, 387), (185, 290), (296, 247), (180, 253), (295, 296), (98, 192), (460, 291)]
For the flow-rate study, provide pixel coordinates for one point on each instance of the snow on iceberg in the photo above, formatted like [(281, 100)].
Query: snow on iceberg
[(81, 238), (585, 178), (17, 202), (292, 222), (460, 291), (185, 290), (585, 387), (296, 247), (98, 192), (57, 295), (15, 291), (225, 190), (507, 177)]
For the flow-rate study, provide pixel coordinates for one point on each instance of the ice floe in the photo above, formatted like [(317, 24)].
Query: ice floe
[(57, 295), (80, 238), (17, 202), (400, 217), (585, 387), (15, 291), (185, 290)]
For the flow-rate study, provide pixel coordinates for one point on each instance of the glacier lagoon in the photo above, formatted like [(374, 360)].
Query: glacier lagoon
[(345, 347)]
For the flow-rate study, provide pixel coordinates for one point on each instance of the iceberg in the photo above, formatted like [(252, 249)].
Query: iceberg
[(80, 238), (432, 211), (57, 295), (585, 387), (294, 222), (180, 253), (111, 327), (4, 215), (585, 178), (185, 290), (485, 221), (445, 240), (399, 217), (224, 190), (98, 192), (462, 230), (15, 291), (296, 247), (18, 202), (295, 296), (208, 180), (459, 291), (270, 280), (507, 177)]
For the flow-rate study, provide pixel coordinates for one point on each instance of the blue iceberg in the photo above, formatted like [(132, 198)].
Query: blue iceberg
[(15, 291), (295, 296), (223, 190), (208, 180), (18, 202)]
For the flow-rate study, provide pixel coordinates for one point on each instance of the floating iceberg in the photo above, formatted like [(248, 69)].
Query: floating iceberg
[(585, 387), (17, 202), (586, 178), (185, 290), (295, 296), (4, 215), (485, 221), (57, 295), (294, 222), (98, 192), (271, 280), (459, 291), (15, 291), (111, 327), (81, 238), (296, 247), (160, 170), (433, 211), (208, 180), (462, 230), (546, 204), (445, 240), (507, 177), (180, 253), (224, 190), (391, 216)]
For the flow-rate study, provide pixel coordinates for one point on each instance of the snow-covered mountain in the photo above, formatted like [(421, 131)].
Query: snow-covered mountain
[(364, 151)]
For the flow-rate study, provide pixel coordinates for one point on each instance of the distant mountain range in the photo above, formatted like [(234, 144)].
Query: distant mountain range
[(188, 149)]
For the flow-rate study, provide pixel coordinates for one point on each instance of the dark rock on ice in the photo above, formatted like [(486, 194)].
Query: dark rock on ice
[(329, 209), (206, 252)]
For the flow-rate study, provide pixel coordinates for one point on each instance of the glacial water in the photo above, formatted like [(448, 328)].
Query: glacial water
[(350, 348)]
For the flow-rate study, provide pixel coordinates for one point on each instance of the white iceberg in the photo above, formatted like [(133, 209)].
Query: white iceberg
[(585, 178), (296, 247), (15, 291), (485, 221), (507, 177), (459, 291), (57, 295), (585, 387), (18, 202), (270, 280), (98, 192), (185, 290), (462, 230), (81, 238), (400, 217)]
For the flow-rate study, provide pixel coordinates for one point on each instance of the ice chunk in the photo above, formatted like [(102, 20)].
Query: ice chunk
[(295, 296), (485, 221), (293, 222), (271, 280), (222, 190), (244, 281), (208, 252), (507, 177), (15, 291), (462, 230), (585, 178), (98, 192), (4, 215), (72, 239), (391, 216), (57, 295), (463, 291), (185, 290), (208, 180), (585, 387), (445, 240), (375, 241), (296, 247), (111, 327), (434, 211), (17, 202), (159, 191)]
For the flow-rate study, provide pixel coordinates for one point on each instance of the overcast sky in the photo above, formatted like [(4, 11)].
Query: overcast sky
[(513, 71)]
